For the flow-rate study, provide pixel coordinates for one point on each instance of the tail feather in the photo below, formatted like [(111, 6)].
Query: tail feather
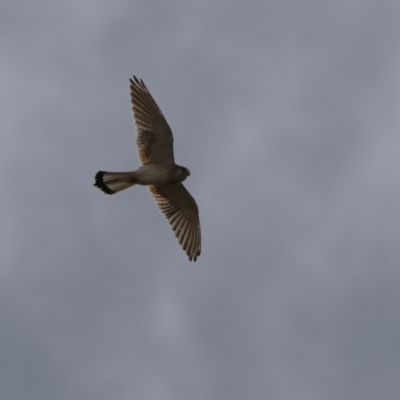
[(113, 182)]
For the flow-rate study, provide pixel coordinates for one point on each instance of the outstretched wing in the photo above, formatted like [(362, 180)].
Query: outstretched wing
[(154, 136), (181, 210)]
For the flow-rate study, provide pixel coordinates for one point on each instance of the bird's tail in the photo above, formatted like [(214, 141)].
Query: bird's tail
[(113, 182)]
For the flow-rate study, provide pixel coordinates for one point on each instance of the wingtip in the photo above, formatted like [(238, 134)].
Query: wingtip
[(137, 83), (193, 257), (136, 80)]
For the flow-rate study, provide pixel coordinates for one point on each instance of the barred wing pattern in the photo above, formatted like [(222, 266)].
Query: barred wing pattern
[(181, 210), (154, 136)]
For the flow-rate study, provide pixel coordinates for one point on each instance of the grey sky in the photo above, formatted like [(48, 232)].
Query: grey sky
[(287, 114)]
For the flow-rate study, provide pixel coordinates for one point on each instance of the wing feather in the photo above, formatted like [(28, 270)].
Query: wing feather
[(154, 136), (181, 211)]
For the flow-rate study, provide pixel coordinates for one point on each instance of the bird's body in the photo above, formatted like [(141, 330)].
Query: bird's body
[(158, 171)]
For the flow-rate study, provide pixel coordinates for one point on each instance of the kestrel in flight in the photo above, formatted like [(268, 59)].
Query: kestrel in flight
[(158, 171)]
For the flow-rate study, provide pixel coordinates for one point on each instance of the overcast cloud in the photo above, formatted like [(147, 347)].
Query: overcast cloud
[(287, 114)]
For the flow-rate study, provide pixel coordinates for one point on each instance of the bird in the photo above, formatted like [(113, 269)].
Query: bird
[(158, 171)]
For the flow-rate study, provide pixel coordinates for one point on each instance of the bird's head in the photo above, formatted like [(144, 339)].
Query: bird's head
[(181, 173)]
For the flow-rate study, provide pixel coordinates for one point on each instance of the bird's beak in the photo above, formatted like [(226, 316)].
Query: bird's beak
[(188, 172)]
